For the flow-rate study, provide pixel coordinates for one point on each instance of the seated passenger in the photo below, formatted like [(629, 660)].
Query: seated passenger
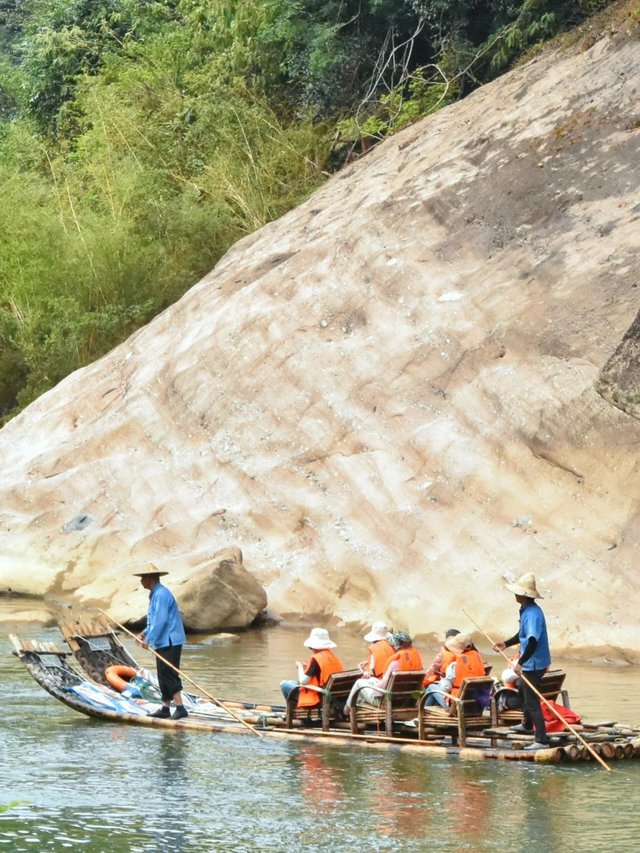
[(320, 667), (441, 661), (510, 677), (405, 659), (380, 651), (466, 664)]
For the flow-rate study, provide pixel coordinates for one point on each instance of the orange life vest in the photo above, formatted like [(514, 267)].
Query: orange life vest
[(408, 660), (468, 665), (381, 652), (329, 662), (447, 658)]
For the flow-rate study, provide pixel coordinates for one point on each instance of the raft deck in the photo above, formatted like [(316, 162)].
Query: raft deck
[(51, 668)]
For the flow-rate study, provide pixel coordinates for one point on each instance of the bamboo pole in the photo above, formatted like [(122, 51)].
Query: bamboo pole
[(573, 752), (544, 756), (542, 698), (629, 749), (187, 678), (608, 750), (553, 755)]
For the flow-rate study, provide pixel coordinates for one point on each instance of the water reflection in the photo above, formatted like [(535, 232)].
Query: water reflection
[(469, 808), (400, 797), (117, 788), (401, 800), (169, 770), (320, 782)]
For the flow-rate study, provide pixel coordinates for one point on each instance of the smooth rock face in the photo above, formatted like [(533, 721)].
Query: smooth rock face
[(387, 398)]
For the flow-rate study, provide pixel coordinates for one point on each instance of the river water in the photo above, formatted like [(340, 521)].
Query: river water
[(83, 784)]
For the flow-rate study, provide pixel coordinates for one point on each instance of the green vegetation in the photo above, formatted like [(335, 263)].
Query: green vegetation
[(139, 140)]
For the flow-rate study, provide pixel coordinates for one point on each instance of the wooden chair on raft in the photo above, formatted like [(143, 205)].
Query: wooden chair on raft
[(465, 714), (552, 689), (398, 703), (331, 699)]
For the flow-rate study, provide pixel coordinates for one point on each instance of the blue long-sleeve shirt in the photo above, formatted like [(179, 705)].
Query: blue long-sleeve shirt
[(164, 625), (533, 625)]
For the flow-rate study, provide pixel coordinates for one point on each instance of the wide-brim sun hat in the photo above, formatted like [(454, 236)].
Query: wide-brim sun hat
[(319, 639), (379, 631), (149, 569), (458, 643), (526, 585)]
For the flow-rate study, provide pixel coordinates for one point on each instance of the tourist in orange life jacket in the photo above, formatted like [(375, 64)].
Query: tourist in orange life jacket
[(441, 661), (320, 667), (405, 659), (466, 664), (380, 651)]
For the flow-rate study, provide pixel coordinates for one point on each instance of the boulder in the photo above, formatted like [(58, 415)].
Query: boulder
[(220, 594)]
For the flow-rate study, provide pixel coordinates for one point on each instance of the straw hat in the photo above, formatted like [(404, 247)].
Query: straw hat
[(319, 639), (379, 631), (458, 643), (149, 569), (526, 585)]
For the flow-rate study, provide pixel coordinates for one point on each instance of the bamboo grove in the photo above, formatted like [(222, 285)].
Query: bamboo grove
[(140, 138)]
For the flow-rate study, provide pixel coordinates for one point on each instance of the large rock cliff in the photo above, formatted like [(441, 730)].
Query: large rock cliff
[(388, 399)]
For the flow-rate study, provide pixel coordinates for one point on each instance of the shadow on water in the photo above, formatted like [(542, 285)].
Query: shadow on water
[(103, 787)]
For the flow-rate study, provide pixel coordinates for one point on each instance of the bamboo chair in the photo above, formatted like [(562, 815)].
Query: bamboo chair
[(552, 688), (331, 699), (465, 713), (398, 702)]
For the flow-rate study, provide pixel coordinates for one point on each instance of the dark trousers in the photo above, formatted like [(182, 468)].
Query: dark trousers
[(168, 679), (531, 703)]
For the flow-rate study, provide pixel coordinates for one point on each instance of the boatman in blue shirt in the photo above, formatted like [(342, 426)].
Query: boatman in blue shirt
[(165, 635), (534, 659)]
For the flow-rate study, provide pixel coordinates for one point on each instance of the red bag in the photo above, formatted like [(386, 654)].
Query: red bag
[(552, 723)]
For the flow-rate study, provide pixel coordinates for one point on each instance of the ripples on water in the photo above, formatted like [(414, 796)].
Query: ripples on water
[(87, 785)]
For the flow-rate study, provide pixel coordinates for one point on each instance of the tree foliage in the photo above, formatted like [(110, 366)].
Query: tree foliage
[(140, 138)]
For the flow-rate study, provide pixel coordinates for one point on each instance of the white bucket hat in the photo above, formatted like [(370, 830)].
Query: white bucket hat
[(379, 631), (526, 585), (319, 639), (508, 677)]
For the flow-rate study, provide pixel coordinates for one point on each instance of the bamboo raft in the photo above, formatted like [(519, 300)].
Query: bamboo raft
[(94, 646)]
